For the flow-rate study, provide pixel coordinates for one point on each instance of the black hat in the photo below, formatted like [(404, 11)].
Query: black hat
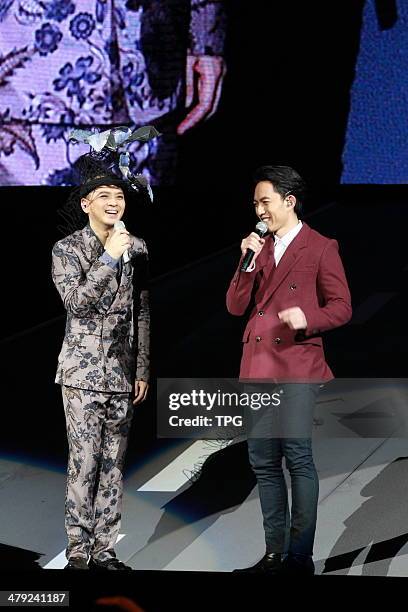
[(92, 170), (107, 163), (109, 148)]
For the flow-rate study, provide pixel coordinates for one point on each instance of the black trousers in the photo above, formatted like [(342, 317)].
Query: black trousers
[(274, 433)]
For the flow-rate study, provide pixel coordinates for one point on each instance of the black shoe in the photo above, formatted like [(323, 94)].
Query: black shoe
[(77, 563), (269, 564), (298, 565), (108, 564)]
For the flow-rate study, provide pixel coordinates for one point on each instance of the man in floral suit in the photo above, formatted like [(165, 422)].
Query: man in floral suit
[(103, 367), (81, 63)]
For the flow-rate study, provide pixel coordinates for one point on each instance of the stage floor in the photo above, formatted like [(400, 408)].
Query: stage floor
[(194, 507)]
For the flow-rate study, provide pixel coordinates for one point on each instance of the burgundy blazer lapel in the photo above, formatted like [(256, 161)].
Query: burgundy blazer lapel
[(266, 258), (265, 263), (289, 259)]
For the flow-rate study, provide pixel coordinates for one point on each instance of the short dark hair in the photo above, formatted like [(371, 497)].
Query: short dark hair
[(285, 181)]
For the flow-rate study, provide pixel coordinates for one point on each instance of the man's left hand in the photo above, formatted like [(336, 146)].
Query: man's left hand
[(141, 388), (293, 317), (205, 76)]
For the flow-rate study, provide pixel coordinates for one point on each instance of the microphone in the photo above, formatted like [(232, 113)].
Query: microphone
[(261, 228), (118, 226)]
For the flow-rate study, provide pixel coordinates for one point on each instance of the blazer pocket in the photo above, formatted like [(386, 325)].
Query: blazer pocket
[(304, 269), (308, 343)]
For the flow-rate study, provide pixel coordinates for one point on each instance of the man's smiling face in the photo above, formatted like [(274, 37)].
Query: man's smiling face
[(105, 205), (274, 210)]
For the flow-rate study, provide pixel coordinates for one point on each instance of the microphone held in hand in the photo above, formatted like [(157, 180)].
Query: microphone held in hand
[(119, 225), (261, 229)]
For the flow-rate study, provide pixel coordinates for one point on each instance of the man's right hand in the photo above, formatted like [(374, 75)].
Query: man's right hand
[(253, 242), (117, 243)]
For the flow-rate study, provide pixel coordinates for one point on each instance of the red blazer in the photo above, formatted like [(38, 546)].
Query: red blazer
[(309, 275)]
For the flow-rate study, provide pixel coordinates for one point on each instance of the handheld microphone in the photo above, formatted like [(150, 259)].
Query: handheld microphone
[(261, 228), (118, 226)]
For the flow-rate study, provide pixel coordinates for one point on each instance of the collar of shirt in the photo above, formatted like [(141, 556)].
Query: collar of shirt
[(284, 241)]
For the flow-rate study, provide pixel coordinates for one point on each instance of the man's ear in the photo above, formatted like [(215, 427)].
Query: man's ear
[(85, 204), (290, 201)]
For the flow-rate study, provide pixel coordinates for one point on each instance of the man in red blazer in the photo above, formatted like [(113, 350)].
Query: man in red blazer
[(298, 289)]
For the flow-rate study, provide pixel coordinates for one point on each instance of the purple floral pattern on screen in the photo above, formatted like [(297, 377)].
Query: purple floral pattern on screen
[(59, 9), (81, 63), (47, 39), (71, 77), (82, 26)]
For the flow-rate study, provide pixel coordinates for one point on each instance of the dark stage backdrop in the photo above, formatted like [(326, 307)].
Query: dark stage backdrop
[(285, 100)]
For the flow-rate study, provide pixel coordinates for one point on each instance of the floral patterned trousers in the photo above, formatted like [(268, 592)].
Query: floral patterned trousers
[(97, 427)]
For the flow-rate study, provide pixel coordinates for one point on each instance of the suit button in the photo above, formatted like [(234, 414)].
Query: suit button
[(261, 313), (258, 338), (293, 286), (278, 340)]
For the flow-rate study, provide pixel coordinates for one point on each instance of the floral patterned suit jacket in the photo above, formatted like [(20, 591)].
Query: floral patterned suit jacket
[(106, 343)]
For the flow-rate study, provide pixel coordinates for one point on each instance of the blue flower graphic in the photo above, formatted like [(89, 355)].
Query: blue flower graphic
[(82, 25), (71, 78), (59, 9), (93, 376), (107, 465), (47, 38), (53, 132), (131, 83), (61, 178)]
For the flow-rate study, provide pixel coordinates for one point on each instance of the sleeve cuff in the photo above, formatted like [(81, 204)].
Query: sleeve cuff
[(312, 320), (110, 261)]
